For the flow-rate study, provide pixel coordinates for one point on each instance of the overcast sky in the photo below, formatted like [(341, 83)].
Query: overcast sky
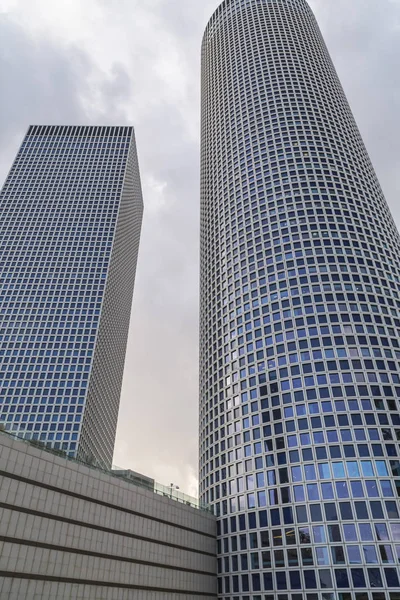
[(138, 62)]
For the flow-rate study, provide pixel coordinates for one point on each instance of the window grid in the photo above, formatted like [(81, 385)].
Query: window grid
[(299, 327), (61, 208)]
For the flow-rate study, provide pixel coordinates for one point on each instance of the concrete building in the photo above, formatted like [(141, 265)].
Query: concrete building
[(71, 532), (70, 218), (300, 327)]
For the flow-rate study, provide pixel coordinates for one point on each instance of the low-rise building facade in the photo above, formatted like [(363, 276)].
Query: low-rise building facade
[(70, 531)]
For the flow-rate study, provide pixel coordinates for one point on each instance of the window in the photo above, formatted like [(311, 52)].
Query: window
[(330, 512), (354, 555), (370, 555), (342, 580)]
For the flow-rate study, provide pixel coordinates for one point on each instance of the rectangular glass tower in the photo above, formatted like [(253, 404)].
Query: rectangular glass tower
[(70, 219)]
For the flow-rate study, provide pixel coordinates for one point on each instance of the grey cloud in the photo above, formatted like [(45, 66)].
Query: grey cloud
[(363, 37), (114, 91), (160, 387), (43, 82), (39, 82)]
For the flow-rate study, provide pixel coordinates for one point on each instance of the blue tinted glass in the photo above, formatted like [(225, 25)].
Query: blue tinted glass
[(299, 493), (341, 489), (260, 480), (352, 468), (395, 528), (327, 491), (366, 532), (372, 489), (319, 534), (297, 474), (350, 533), (381, 468), (367, 468), (387, 490), (338, 470), (324, 471), (322, 555), (370, 554), (262, 499), (354, 555), (312, 491), (310, 472), (381, 531), (357, 490)]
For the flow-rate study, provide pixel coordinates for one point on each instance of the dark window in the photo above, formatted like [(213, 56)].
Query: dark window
[(325, 578), (307, 557), (295, 580), (310, 580), (288, 515), (301, 512), (268, 582), (256, 582), (330, 512), (342, 579), (346, 511), (281, 581), (262, 517), (392, 577), (275, 517), (293, 557), (376, 510), (361, 510), (290, 536), (358, 578), (391, 508), (375, 579), (316, 513)]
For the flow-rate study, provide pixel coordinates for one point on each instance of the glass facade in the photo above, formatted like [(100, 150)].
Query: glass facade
[(70, 218), (299, 320)]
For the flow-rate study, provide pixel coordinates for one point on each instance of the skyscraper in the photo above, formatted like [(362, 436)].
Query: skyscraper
[(70, 218), (299, 342)]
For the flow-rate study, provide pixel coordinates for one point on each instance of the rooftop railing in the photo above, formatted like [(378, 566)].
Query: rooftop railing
[(126, 475)]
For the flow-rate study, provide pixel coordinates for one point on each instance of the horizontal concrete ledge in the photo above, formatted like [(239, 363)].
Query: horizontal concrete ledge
[(22, 542), (134, 536), (32, 577), (65, 492)]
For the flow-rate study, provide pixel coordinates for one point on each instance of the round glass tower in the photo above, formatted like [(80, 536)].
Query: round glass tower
[(299, 341)]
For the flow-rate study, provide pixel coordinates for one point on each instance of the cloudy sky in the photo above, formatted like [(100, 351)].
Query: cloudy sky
[(137, 62)]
